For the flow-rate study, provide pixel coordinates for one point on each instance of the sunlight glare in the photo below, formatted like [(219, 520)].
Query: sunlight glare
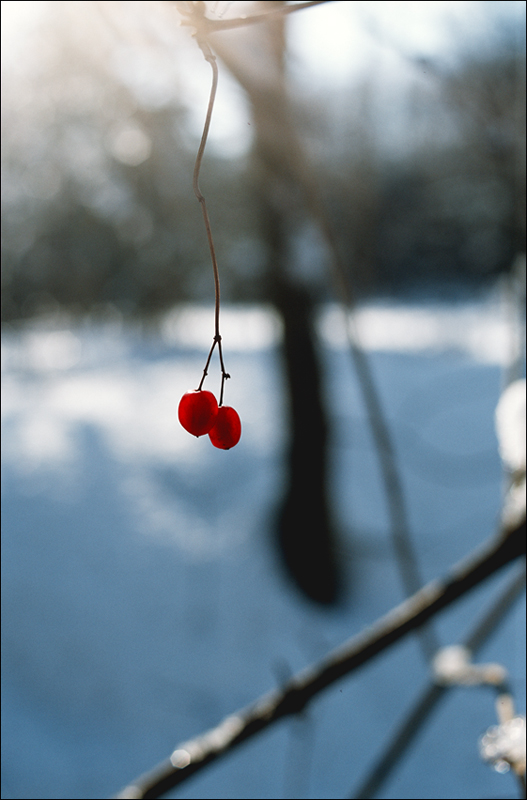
[(20, 18)]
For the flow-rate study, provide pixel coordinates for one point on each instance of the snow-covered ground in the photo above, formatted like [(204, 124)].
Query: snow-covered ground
[(142, 598)]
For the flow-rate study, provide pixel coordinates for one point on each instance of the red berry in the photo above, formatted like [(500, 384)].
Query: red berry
[(227, 428), (197, 411)]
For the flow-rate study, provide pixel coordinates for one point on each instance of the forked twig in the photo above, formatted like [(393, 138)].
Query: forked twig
[(192, 756), (406, 732), (211, 25)]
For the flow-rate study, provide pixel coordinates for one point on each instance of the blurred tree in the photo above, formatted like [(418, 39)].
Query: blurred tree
[(96, 176), (97, 160), (305, 528), (454, 210)]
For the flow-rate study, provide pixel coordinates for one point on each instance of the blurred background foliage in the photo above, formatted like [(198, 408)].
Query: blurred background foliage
[(425, 185)]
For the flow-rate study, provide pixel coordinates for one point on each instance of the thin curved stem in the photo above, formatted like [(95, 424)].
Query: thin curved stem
[(224, 373), (211, 58), (206, 367)]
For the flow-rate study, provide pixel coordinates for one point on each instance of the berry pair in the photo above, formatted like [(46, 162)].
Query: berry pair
[(199, 413)]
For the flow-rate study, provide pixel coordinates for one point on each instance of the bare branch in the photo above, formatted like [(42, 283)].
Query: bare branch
[(407, 731), (208, 25), (192, 756)]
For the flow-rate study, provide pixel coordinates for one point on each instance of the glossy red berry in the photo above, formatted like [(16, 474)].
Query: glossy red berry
[(197, 411), (227, 428)]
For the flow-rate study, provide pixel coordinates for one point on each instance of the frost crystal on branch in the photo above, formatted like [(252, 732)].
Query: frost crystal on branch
[(503, 746)]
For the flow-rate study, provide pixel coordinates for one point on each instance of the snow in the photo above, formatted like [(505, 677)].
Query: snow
[(142, 598)]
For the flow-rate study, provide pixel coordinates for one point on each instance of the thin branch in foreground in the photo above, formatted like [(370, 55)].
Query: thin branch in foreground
[(210, 25), (405, 555), (406, 732), (194, 755)]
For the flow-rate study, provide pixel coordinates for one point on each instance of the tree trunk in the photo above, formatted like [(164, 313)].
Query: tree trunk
[(306, 534)]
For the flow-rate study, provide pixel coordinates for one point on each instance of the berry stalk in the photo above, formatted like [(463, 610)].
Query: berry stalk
[(211, 58)]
